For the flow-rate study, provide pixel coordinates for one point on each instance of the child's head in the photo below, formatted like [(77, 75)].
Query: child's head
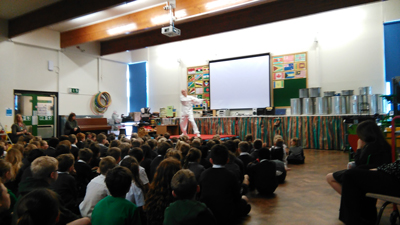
[(249, 138), (118, 181), (279, 142), (5, 171), (72, 138), (115, 153), (45, 167), (194, 155), (65, 162), (101, 138), (276, 137), (173, 153), (295, 142), (85, 154), (5, 201), (257, 144), (369, 132), (80, 136), (184, 184), (106, 164), (40, 206), (132, 164), (264, 153), (219, 155), (244, 146), (137, 153)]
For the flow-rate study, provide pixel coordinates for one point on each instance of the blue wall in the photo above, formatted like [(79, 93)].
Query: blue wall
[(138, 86), (392, 50)]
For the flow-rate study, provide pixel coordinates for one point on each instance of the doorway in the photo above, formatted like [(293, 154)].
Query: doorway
[(39, 111)]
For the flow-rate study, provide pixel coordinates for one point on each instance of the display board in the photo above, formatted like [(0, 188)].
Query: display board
[(198, 84), (289, 74)]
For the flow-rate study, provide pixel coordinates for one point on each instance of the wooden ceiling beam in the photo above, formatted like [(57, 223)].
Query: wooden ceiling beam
[(148, 19), (257, 15), (57, 12)]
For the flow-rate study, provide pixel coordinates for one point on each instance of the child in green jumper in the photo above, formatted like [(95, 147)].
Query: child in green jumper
[(115, 209), (186, 210)]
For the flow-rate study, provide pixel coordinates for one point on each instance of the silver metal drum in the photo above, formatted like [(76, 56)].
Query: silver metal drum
[(364, 103), (329, 93), (336, 105), (346, 104), (295, 106), (321, 105), (355, 105), (347, 92), (303, 93), (366, 90), (315, 92), (307, 105), (376, 104)]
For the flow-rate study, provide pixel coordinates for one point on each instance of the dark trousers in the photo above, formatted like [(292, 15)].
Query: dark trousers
[(355, 207)]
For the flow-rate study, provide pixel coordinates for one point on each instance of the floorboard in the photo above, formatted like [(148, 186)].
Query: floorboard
[(305, 197)]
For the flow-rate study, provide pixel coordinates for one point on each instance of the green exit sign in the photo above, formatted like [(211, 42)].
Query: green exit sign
[(74, 90)]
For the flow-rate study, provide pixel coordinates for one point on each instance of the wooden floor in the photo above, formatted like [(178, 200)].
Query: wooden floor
[(305, 197)]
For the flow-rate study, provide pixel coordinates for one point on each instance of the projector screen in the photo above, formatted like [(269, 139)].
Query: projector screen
[(240, 83)]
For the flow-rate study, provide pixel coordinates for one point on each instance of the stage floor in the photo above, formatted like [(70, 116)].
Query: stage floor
[(207, 136)]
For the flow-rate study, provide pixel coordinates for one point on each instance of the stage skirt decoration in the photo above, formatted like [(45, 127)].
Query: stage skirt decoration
[(315, 132)]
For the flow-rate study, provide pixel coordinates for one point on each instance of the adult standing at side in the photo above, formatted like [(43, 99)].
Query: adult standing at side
[(18, 128), (187, 112), (71, 126)]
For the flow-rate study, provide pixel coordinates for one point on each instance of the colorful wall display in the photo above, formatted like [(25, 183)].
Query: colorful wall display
[(289, 73), (198, 84)]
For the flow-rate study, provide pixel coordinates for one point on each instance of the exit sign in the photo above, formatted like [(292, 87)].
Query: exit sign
[(73, 90)]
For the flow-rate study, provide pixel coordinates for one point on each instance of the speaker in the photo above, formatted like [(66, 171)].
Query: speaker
[(261, 111), (254, 111)]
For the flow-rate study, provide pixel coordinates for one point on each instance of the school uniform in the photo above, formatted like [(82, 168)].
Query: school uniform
[(263, 176)]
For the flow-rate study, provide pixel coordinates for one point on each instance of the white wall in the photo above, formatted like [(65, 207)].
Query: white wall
[(345, 50), (24, 66)]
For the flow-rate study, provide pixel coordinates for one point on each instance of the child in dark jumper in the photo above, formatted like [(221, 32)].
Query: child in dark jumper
[(220, 190), (186, 210)]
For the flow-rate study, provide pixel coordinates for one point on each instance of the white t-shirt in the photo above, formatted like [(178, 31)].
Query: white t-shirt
[(135, 195), (96, 190)]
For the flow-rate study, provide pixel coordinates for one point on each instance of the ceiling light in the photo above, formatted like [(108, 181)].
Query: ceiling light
[(122, 29)]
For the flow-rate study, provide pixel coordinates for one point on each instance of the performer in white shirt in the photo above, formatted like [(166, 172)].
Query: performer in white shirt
[(187, 112)]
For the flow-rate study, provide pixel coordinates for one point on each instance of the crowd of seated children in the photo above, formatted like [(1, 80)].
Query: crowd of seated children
[(219, 167), (186, 210)]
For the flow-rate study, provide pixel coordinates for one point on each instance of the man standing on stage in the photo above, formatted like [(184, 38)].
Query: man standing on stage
[(187, 112)]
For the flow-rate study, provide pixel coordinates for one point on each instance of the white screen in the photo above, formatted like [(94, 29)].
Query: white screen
[(240, 83)]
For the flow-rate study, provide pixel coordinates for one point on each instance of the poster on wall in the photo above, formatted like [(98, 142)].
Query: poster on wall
[(198, 79), (290, 66)]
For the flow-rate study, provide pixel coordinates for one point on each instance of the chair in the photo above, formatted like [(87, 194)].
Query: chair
[(388, 199)]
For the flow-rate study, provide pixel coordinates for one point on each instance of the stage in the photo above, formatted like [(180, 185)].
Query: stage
[(207, 136)]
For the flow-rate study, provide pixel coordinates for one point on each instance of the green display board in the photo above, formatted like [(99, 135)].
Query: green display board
[(290, 90)]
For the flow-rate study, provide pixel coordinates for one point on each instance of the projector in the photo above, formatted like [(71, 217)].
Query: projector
[(171, 31)]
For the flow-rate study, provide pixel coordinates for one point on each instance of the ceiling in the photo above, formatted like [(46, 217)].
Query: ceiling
[(121, 25)]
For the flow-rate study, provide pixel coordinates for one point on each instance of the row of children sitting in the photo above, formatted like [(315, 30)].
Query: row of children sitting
[(138, 156)]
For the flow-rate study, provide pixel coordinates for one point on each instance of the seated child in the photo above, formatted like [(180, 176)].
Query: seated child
[(296, 153), (220, 190), (115, 209), (97, 189), (192, 162), (84, 172), (245, 156), (263, 174), (277, 151), (65, 185), (5, 203), (186, 210)]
